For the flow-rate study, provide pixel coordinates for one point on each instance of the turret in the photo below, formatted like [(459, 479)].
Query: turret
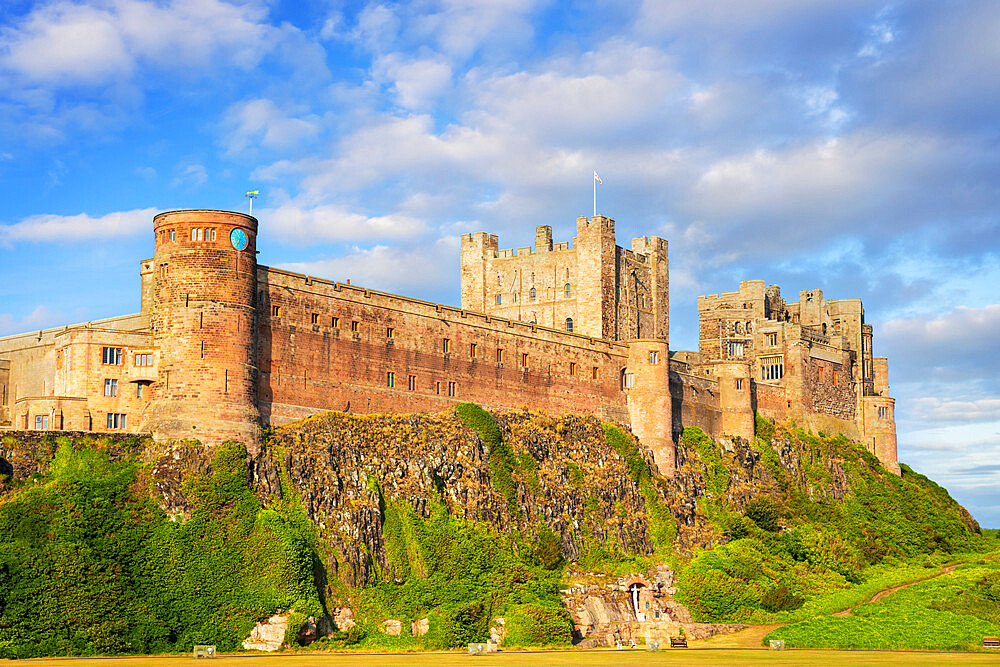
[(203, 319)]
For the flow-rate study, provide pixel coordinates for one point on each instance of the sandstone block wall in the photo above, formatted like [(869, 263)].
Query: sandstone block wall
[(343, 361)]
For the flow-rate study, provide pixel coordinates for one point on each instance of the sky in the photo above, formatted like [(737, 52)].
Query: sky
[(845, 145)]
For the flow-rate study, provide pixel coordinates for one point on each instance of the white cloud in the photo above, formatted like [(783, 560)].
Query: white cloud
[(191, 175), (417, 269), (331, 222), (39, 318), (933, 409), (416, 83), (259, 122), (61, 228), (73, 44)]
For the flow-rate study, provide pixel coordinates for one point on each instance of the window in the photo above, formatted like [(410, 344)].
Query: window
[(110, 387), (654, 357), (389, 332), (173, 234), (59, 359), (275, 311), (569, 324), (390, 379), (739, 384), (163, 270), (628, 380), (735, 349), (883, 412), (116, 420), (738, 327), (472, 350), (500, 355), (446, 345), (437, 388), (567, 290), (41, 422), (144, 359), (594, 373), (572, 368), (498, 299), (452, 389), (411, 382), (111, 356), (314, 318), (513, 297), (531, 293), (524, 359), (213, 234), (140, 389), (836, 378), (354, 326), (820, 374), (771, 339), (772, 368), (749, 327), (335, 322), (567, 273)]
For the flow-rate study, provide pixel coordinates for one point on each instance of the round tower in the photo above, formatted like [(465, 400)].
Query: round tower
[(735, 400), (204, 324)]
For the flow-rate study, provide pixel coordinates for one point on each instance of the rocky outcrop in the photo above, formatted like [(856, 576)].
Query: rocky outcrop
[(606, 612), (338, 463), (268, 635)]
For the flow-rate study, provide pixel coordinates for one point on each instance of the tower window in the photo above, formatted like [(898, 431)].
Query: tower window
[(772, 338), (411, 382), (572, 368), (315, 318), (524, 359), (173, 234), (569, 324), (111, 356), (389, 332), (452, 389), (498, 299), (390, 379), (567, 290), (514, 297), (446, 345), (472, 350), (739, 384), (531, 292), (628, 380), (354, 326), (654, 357), (335, 322), (594, 373), (500, 355), (110, 387)]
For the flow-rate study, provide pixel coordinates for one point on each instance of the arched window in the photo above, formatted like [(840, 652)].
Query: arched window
[(567, 289), (531, 294), (569, 324), (824, 328), (749, 327), (739, 328)]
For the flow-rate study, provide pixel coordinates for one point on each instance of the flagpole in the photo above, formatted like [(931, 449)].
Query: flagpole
[(595, 193)]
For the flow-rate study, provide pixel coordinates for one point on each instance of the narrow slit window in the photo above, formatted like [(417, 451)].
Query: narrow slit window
[(390, 379)]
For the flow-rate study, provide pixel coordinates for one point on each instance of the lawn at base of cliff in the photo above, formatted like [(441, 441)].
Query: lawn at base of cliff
[(692, 656)]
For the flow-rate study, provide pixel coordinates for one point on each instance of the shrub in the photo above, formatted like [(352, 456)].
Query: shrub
[(534, 625), (763, 513)]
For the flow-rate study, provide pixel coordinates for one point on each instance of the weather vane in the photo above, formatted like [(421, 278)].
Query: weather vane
[(251, 196)]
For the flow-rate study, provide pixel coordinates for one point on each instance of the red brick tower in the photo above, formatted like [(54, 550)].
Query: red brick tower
[(204, 324)]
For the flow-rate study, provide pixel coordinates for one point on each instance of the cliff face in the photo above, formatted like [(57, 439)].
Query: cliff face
[(570, 479)]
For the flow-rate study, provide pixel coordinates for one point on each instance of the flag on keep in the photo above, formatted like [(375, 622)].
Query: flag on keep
[(598, 178)]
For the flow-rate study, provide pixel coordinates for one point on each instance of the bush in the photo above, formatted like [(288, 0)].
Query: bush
[(763, 513), (534, 625)]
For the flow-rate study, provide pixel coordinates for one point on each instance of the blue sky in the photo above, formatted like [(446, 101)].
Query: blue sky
[(842, 144)]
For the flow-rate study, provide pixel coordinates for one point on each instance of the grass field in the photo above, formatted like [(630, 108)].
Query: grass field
[(534, 659)]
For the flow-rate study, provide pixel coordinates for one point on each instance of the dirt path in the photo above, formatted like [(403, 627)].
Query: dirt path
[(881, 595)]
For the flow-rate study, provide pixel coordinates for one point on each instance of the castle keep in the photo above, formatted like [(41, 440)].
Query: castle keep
[(223, 346)]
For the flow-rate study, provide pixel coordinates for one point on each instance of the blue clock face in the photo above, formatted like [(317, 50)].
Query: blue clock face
[(238, 238)]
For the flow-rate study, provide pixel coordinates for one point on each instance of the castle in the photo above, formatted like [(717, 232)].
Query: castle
[(223, 347)]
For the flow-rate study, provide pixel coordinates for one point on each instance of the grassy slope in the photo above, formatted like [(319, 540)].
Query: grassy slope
[(794, 553), (953, 611)]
